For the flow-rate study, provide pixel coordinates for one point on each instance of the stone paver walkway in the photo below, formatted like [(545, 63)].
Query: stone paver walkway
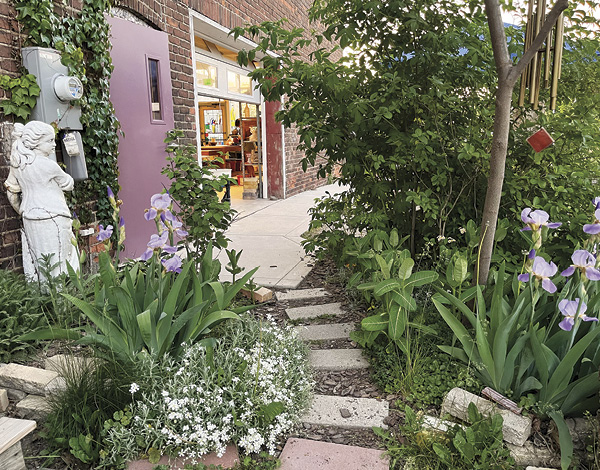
[(330, 410)]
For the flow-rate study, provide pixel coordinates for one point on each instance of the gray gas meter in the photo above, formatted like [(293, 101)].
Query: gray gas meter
[(58, 89), (55, 104)]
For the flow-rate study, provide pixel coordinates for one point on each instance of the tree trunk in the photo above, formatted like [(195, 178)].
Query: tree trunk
[(508, 75), (496, 178)]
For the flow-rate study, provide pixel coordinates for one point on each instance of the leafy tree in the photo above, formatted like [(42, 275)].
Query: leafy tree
[(409, 115)]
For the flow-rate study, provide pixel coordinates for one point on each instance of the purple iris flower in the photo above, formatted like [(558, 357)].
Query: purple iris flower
[(569, 309), (146, 255), (531, 254), (534, 220), (110, 193), (104, 233), (172, 264), (178, 228), (159, 243), (159, 203), (542, 271), (586, 262), (596, 203), (593, 229)]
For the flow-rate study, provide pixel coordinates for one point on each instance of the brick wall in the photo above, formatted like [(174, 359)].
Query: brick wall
[(173, 18)]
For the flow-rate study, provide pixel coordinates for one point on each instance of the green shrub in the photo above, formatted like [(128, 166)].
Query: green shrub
[(477, 446)]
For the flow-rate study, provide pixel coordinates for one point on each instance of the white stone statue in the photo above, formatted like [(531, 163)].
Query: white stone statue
[(35, 186)]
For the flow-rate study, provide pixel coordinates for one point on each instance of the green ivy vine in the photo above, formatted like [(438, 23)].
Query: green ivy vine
[(24, 91), (84, 43)]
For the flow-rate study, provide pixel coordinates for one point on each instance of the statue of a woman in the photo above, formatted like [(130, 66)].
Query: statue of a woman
[(35, 186)]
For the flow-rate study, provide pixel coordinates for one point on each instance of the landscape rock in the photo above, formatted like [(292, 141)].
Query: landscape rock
[(3, 400), (530, 455), (33, 407), (580, 431), (431, 423), (25, 378), (15, 395), (516, 428), (59, 384)]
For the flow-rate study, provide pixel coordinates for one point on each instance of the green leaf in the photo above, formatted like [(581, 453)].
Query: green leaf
[(375, 322), (406, 269), (564, 437), (397, 322)]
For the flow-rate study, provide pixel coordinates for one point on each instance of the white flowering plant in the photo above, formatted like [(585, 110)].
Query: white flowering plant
[(249, 390)]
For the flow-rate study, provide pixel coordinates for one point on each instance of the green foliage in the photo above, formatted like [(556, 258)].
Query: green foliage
[(383, 113), (478, 445), (84, 42), (431, 377), (195, 190), (23, 93), (146, 309), (409, 118), (21, 311), (94, 390)]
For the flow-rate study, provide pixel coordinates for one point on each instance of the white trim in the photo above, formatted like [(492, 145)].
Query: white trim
[(196, 112), (283, 162), (263, 137)]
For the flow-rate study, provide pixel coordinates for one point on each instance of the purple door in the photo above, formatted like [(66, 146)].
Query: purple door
[(140, 89)]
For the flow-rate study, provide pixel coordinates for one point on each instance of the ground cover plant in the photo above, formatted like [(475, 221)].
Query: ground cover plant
[(250, 389)]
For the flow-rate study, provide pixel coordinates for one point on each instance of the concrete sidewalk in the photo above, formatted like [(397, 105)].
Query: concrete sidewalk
[(269, 233)]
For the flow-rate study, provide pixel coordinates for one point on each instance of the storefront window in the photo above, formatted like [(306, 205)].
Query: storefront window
[(206, 75), (237, 83)]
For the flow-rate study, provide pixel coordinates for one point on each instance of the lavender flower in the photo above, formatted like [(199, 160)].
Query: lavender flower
[(596, 203), (159, 203), (535, 220), (104, 233), (542, 271), (586, 263), (571, 309), (593, 228), (172, 264)]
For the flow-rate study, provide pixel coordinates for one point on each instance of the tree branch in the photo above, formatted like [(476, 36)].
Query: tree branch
[(557, 9)]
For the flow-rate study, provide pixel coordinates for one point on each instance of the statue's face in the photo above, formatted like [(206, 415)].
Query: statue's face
[(47, 145)]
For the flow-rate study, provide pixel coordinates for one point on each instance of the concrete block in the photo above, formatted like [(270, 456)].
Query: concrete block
[(516, 429), (530, 455), (431, 423), (25, 378), (302, 294), (228, 460), (325, 332), (59, 384), (362, 413), (314, 311), (259, 295), (337, 359), (12, 458), (3, 400), (33, 407), (303, 454)]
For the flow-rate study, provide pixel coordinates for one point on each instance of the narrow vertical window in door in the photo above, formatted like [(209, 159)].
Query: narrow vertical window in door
[(153, 72)]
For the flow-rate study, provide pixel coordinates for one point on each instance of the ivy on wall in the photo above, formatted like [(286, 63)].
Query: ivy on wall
[(84, 42)]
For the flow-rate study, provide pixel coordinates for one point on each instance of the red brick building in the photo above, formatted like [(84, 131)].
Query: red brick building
[(184, 76)]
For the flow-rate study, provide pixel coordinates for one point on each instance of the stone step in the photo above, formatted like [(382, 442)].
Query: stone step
[(337, 359), (303, 454), (25, 378), (314, 311), (347, 412), (302, 294), (325, 332)]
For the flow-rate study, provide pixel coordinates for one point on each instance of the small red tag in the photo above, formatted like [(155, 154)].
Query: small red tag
[(540, 140)]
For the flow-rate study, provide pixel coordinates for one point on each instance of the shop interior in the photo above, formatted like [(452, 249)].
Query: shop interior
[(230, 131)]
